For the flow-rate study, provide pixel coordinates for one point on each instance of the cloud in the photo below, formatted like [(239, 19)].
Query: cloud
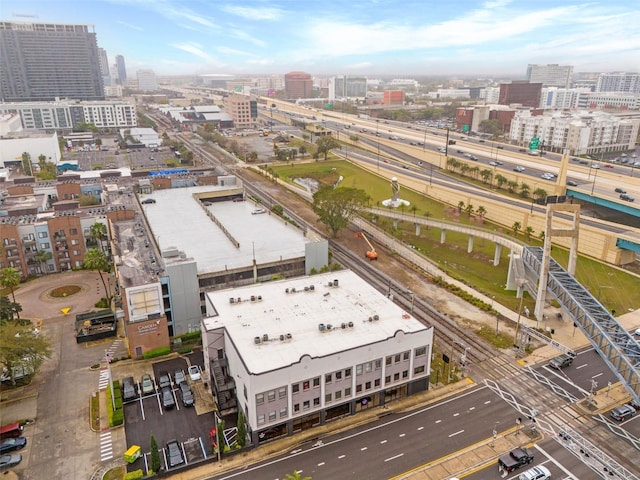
[(194, 49), (131, 26), (254, 13), (241, 35), (233, 51)]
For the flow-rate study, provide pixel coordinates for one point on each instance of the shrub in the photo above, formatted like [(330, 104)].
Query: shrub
[(191, 336), (156, 352), (184, 350), (135, 475)]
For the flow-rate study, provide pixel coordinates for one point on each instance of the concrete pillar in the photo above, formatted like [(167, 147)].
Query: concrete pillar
[(470, 244), (417, 225), (443, 236), (496, 255)]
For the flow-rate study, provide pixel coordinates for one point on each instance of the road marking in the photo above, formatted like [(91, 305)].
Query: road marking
[(420, 428), (456, 414), (581, 366), (402, 435), (382, 442), (363, 449), (393, 458), (438, 421), (487, 402), (341, 457), (321, 464), (472, 408), (597, 375), (106, 447), (456, 433)]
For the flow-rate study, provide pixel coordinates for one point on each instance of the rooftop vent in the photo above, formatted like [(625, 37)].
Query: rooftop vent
[(265, 337), (232, 300), (312, 287), (289, 336), (257, 340), (329, 326), (376, 317), (306, 289), (335, 282), (282, 338), (343, 325), (330, 284), (350, 324), (286, 290), (321, 327)]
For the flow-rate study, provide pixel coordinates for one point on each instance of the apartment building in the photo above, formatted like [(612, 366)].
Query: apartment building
[(305, 351), (242, 109), (550, 75), (618, 82)]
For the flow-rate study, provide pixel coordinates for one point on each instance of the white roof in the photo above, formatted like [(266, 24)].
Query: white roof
[(300, 313), (177, 219)]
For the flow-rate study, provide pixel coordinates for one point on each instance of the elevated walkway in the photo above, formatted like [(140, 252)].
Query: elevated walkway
[(616, 346)]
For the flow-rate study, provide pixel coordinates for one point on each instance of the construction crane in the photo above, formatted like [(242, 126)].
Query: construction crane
[(371, 253)]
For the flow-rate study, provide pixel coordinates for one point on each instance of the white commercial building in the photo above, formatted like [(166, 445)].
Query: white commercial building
[(618, 82), (551, 75), (147, 81), (608, 100), (490, 95), (582, 132), (450, 93), (146, 136), (305, 351), (67, 114), (13, 145)]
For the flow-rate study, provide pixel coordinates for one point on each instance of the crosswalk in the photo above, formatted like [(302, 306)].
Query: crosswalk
[(106, 447), (111, 351), (103, 380)]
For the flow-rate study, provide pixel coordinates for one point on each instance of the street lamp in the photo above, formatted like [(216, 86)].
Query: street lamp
[(453, 342), (378, 139), (594, 181)]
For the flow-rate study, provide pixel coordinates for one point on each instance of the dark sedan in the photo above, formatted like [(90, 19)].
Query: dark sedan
[(174, 454), (11, 444)]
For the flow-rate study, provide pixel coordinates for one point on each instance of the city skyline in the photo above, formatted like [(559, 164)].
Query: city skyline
[(494, 38)]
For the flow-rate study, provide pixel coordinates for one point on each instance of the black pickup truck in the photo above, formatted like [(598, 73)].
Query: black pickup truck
[(515, 459)]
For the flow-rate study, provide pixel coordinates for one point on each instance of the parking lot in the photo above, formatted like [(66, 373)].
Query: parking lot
[(145, 415)]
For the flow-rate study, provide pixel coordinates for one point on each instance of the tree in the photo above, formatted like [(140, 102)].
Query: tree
[(469, 209), (528, 232), (325, 144), (42, 257), (491, 127), (460, 206), (512, 185), (335, 207), (539, 193), (98, 232), (9, 310), (486, 175), (516, 228), (524, 190), (155, 454), (96, 259), (295, 476), (26, 164), (481, 211), (20, 345), (10, 278), (501, 180), (242, 429), (220, 435)]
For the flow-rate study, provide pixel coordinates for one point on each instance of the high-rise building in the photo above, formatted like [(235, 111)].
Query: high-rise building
[(42, 61), (298, 85), (104, 66), (147, 81), (522, 92), (618, 82), (551, 75), (344, 87), (122, 70)]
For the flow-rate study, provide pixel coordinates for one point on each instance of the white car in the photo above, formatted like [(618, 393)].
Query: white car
[(194, 373), (637, 332), (536, 473)]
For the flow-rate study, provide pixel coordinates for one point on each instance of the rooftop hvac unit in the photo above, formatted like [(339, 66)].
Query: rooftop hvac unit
[(321, 327), (343, 325), (259, 297), (286, 290), (312, 287), (232, 300), (289, 336), (329, 326), (350, 324), (306, 289), (376, 317), (335, 282), (257, 340), (330, 284), (282, 338), (253, 298), (371, 319), (293, 289), (239, 300), (265, 337)]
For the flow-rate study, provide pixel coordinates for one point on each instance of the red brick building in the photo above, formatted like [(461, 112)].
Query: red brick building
[(298, 85), (393, 97), (521, 92)]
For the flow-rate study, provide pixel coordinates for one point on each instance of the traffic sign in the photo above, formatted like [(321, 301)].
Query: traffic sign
[(534, 143)]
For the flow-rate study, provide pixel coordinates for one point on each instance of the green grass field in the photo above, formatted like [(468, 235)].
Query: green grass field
[(616, 289)]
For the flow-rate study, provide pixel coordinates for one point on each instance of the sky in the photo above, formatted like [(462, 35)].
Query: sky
[(353, 37)]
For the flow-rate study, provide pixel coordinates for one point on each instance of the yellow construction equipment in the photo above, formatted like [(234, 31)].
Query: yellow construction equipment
[(371, 253)]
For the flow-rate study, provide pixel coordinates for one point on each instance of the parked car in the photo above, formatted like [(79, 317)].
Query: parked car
[(147, 201), (622, 413), (168, 401), (179, 377), (11, 444), (174, 454), (163, 380), (129, 389), (8, 461), (194, 373), (536, 473), (561, 361), (146, 383), (186, 394), (515, 459)]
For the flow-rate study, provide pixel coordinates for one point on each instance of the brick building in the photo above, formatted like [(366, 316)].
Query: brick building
[(298, 85), (520, 92)]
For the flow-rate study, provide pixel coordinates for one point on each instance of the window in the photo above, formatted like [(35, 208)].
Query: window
[(260, 419), (44, 246), (405, 356), (358, 388), (397, 358), (316, 402), (376, 382), (347, 392), (306, 405), (421, 351), (271, 395), (295, 388), (327, 378), (76, 252), (387, 379), (272, 416), (405, 373), (347, 373), (338, 394), (388, 361), (327, 398), (339, 375), (283, 412), (359, 369), (396, 377), (43, 234), (305, 385), (73, 231), (378, 364), (259, 398), (368, 366), (367, 386), (316, 382), (418, 370), (296, 407), (282, 392)]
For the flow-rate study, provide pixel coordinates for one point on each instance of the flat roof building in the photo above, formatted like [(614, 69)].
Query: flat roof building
[(520, 92), (298, 85), (550, 75), (303, 351)]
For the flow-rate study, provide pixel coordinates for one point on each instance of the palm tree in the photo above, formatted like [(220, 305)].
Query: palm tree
[(539, 193), (528, 232), (512, 185), (481, 211), (516, 228), (10, 278), (486, 175), (469, 209), (413, 209), (96, 259), (295, 476), (524, 190), (464, 168), (501, 180), (460, 206), (98, 232), (42, 257)]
